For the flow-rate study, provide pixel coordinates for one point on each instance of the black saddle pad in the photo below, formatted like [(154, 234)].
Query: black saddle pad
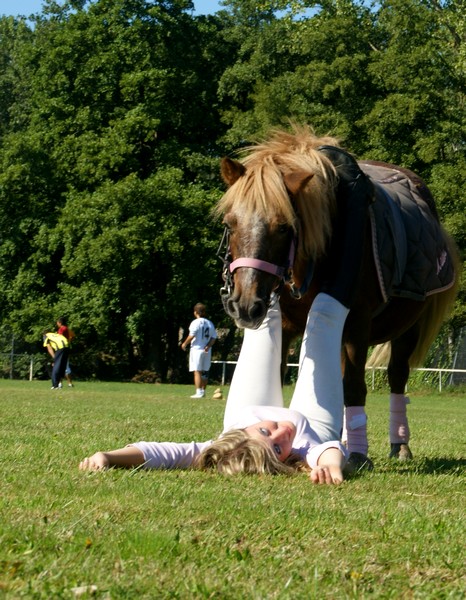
[(409, 245)]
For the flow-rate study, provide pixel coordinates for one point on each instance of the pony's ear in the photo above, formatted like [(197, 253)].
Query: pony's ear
[(231, 170), (296, 181)]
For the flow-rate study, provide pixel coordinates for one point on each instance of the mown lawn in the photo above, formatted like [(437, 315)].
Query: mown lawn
[(398, 532)]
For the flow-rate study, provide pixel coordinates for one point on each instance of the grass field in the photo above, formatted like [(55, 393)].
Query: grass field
[(398, 532)]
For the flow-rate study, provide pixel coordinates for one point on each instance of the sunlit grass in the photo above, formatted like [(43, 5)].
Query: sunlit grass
[(395, 533)]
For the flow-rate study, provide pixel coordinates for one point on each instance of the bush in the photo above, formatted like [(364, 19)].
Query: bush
[(146, 377)]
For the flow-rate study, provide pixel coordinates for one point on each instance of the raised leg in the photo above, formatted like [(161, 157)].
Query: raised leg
[(319, 389), (256, 380)]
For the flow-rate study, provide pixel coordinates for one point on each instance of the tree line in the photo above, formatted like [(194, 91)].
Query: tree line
[(114, 115)]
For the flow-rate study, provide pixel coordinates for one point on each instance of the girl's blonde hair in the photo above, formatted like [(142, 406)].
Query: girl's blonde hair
[(236, 452)]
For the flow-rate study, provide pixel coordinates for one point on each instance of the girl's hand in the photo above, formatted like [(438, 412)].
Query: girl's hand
[(96, 462), (326, 475)]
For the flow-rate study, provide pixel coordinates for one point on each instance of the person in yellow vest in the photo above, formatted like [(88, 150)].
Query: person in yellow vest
[(58, 347)]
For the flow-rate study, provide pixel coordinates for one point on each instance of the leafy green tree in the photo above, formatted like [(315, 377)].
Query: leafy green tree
[(104, 202), (126, 272), (114, 113), (305, 66), (415, 114)]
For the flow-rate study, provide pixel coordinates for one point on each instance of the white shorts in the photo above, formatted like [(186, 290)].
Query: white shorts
[(199, 360)]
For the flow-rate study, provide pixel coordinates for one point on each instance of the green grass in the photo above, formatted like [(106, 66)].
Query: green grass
[(395, 533)]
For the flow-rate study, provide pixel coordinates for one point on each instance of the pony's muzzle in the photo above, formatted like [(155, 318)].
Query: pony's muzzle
[(249, 316)]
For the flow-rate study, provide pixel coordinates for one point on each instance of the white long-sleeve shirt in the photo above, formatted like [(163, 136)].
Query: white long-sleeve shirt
[(172, 455)]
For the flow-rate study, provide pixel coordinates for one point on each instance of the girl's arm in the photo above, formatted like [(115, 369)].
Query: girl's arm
[(124, 457), (329, 469), (153, 455)]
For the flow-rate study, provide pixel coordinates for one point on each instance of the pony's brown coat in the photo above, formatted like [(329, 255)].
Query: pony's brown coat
[(286, 180)]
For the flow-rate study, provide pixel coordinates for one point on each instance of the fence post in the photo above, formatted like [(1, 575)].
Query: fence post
[(31, 367), (12, 357)]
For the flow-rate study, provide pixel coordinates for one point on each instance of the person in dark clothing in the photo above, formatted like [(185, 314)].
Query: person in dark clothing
[(64, 330)]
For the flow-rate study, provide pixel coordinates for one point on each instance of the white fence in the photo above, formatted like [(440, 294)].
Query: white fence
[(440, 372), (10, 357)]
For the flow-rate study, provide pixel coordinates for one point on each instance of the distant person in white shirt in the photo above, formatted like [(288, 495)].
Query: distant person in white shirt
[(202, 336)]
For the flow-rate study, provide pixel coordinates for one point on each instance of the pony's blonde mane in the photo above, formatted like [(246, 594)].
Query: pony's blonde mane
[(261, 190)]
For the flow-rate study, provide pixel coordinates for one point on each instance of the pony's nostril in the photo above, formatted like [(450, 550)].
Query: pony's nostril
[(232, 308), (258, 310)]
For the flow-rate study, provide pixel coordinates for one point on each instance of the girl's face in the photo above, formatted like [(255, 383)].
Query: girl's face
[(279, 434)]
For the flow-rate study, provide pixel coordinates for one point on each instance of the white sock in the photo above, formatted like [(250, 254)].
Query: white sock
[(356, 429), (399, 428)]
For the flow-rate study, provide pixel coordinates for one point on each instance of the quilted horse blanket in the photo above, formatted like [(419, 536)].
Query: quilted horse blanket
[(410, 252)]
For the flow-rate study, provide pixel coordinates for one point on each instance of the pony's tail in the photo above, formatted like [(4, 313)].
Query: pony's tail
[(380, 356), (437, 310)]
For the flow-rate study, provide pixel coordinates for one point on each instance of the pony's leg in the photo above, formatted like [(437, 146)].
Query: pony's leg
[(399, 427), (319, 389), (256, 380), (355, 432), (398, 374)]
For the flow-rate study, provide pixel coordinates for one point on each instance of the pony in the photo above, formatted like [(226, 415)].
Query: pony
[(279, 213)]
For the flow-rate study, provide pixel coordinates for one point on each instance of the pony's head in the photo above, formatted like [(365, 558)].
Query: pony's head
[(280, 198)]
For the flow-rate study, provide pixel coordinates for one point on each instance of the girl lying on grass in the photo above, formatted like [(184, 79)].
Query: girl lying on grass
[(259, 435)]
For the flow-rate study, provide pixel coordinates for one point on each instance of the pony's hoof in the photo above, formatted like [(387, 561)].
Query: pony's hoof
[(217, 394), (358, 462), (401, 452)]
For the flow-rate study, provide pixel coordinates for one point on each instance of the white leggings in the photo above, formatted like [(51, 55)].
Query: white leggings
[(318, 394)]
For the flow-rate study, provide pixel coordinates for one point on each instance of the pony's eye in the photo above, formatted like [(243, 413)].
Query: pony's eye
[(230, 221), (283, 229), (277, 449), (264, 431)]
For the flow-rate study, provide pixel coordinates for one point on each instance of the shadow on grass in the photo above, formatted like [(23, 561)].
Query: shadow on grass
[(422, 466), (427, 466), (432, 466)]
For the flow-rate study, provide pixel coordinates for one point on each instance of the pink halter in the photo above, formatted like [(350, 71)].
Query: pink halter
[(255, 263), (263, 265)]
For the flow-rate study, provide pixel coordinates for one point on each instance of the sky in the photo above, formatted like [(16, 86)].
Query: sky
[(28, 7)]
